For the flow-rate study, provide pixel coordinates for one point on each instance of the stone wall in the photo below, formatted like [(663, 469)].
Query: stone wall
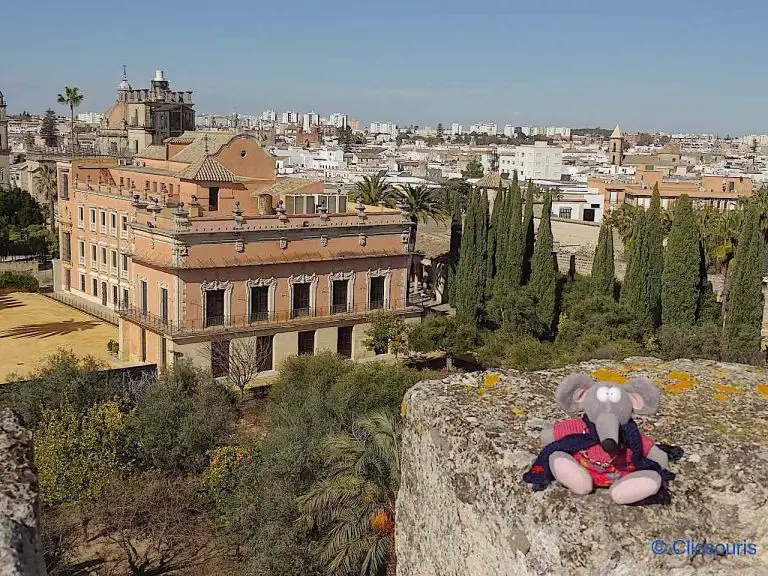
[(20, 553), (464, 510)]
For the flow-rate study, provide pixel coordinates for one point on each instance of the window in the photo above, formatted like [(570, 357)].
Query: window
[(95, 287), (114, 259), (344, 341), (307, 343), (143, 301), (113, 224), (114, 296), (82, 282), (219, 358), (92, 212), (264, 349), (125, 298), (213, 199), (376, 297), (124, 226), (731, 186), (94, 261), (104, 256), (81, 251), (170, 189), (125, 264), (164, 304), (80, 217), (300, 304), (339, 296), (259, 303), (214, 308), (103, 220), (565, 213)]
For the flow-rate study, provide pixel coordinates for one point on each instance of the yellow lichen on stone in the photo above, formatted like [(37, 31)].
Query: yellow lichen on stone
[(517, 412), (720, 397), (679, 375), (608, 375), (763, 389), (680, 386), (489, 381), (725, 389), (403, 409)]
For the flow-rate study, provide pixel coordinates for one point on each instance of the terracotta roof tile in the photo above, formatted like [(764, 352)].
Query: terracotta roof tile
[(208, 170)]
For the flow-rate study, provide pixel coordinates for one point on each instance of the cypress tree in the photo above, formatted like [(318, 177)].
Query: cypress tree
[(632, 287), (528, 233), (489, 256), (744, 308), (515, 244), (543, 273), (471, 271), (653, 260), (603, 273), (681, 279), (454, 246)]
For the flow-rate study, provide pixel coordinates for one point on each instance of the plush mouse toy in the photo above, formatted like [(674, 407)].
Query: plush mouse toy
[(604, 448)]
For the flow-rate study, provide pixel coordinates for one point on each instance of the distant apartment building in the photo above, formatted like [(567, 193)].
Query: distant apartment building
[(338, 120), (309, 119), (144, 116), (383, 128), (198, 244), (532, 161), (426, 131), (269, 116), (488, 128), (710, 191), (457, 129), (509, 131), (290, 117)]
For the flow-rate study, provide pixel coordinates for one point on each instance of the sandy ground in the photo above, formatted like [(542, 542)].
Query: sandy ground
[(33, 327)]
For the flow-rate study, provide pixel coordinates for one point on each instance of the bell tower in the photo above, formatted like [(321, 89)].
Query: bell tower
[(5, 148), (616, 147)]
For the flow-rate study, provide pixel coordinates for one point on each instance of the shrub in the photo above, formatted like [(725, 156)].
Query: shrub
[(387, 332), (180, 418), (683, 341), (77, 454), (20, 281), (63, 379)]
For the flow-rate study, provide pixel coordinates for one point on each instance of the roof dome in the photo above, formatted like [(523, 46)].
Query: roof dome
[(124, 85)]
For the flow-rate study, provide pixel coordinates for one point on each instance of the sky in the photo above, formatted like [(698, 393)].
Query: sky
[(676, 66)]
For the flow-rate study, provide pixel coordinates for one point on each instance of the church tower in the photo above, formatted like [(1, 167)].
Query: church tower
[(5, 148), (616, 147)]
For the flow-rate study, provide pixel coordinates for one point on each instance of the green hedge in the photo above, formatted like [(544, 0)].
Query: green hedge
[(19, 281)]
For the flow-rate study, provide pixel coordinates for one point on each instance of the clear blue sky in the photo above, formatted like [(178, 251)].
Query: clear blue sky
[(677, 65)]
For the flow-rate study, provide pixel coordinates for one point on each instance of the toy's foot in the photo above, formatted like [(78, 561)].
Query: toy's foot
[(570, 473), (635, 487)]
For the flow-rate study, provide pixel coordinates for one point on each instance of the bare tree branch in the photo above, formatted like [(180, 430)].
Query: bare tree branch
[(241, 359)]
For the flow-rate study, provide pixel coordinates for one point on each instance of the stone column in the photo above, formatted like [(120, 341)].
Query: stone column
[(20, 553)]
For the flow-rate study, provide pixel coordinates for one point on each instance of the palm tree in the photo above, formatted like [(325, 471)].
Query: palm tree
[(72, 98), (46, 182), (374, 189), (353, 506), (421, 204), (720, 234)]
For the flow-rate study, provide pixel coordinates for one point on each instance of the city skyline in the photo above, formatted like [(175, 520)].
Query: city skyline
[(667, 68)]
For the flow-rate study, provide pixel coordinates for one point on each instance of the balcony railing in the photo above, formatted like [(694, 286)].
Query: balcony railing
[(250, 321), (339, 308), (376, 304)]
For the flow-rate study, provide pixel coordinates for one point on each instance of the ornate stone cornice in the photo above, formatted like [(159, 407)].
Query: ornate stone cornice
[(302, 278), (255, 282), (341, 275)]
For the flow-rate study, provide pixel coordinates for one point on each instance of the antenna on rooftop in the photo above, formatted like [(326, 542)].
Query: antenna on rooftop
[(205, 141)]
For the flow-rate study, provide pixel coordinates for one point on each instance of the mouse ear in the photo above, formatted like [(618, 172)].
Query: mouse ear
[(571, 391), (643, 394)]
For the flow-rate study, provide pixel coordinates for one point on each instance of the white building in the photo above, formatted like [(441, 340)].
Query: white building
[(269, 116), (509, 131), (532, 161), (383, 128), (290, 117), (338, 119), (457, 129), (488, 128), (425, 131), (309, 119), (90, 117)]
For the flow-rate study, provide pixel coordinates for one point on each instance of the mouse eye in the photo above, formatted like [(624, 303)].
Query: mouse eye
[(614, 395), (602, 394)]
